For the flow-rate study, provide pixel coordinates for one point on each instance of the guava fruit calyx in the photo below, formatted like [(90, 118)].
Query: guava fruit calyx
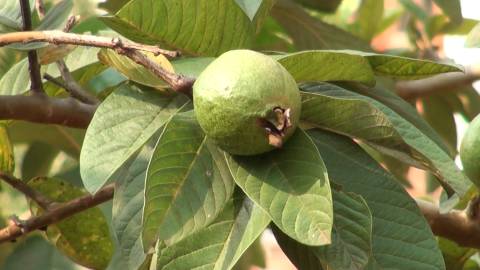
[(277, 127)]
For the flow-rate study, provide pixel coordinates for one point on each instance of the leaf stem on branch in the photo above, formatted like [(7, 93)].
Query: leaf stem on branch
[(33, 65), (56, 214), (21, 186)]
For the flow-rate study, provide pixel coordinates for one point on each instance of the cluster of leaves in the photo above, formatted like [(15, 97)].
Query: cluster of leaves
[(182, 203)]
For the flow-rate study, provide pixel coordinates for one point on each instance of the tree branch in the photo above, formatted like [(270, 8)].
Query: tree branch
[(60, 37), (55, 214), (33, 65), (21, 186), (75, 89), (436, 84), (43, 109), (457, 226)]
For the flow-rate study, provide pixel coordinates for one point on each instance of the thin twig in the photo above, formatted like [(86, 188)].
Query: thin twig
[(33, 65), (60, 37), (75, 89), (43, 109), (56, 214), (32, 194), (436, 84), (72, 20), (39, 5)]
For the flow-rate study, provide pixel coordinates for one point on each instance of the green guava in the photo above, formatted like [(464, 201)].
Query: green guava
[(470, 150), (246, 102)]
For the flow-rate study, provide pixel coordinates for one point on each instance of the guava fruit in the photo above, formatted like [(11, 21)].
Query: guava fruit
[(246, 102), (470, 150)]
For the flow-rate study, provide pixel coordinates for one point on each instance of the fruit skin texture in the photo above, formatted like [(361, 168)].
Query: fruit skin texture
[(470, 151), (235, 91)]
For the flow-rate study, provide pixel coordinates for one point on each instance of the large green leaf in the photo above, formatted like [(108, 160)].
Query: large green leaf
[(322, 5), (192, 67), (122, 124), (291, 185), (16, 80), (134, 71), (405, 68), (302, 256), (203, 27), (380, 127), (402, 238), (455, 256), (10, 15), (221, 244), (66, 139), (328, 66), (7, 162), (38, 160), (128, 202), (8, 58), (351, 245), (310, 33), (187, 184), (83, 237), (36, 253), (369, 14)]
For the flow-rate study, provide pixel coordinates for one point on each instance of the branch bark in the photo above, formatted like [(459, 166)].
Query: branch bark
[(436, 84), (56, 214), (455, 225), (60, 37), (75, 89), (43, 109), (21, 186)]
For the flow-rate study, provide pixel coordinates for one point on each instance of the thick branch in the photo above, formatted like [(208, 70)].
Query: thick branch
[(43, 109), (436, 84), (21, 186), (56, 214), (60, 37), (33, 65), (456, 225)]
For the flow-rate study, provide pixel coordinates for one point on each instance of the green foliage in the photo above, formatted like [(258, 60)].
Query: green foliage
[(333, 194)]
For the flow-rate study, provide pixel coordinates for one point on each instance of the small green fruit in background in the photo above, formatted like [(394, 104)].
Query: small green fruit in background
[(470, 151), (247, 102)]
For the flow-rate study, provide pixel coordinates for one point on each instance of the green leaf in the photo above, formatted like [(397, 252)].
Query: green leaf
[(122, 124), (351, 245), (452, 9), (7, 162), (128, 202), (404, 68), (455, 256), (381, 128), (473, 38), (321, 5), (83, 237), (8, 58), (192, 67), (310, 33), (302, 256), (253, 256), (220, 245), (291, 185), (402, 238), (16, 80), (204, 27), (415, 10), (187, 184), (38, 160), (134, 71), (439, 115), (66, 139), (328, 66), (36, 253), (369, 13), (10, 15), (250, 7)]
